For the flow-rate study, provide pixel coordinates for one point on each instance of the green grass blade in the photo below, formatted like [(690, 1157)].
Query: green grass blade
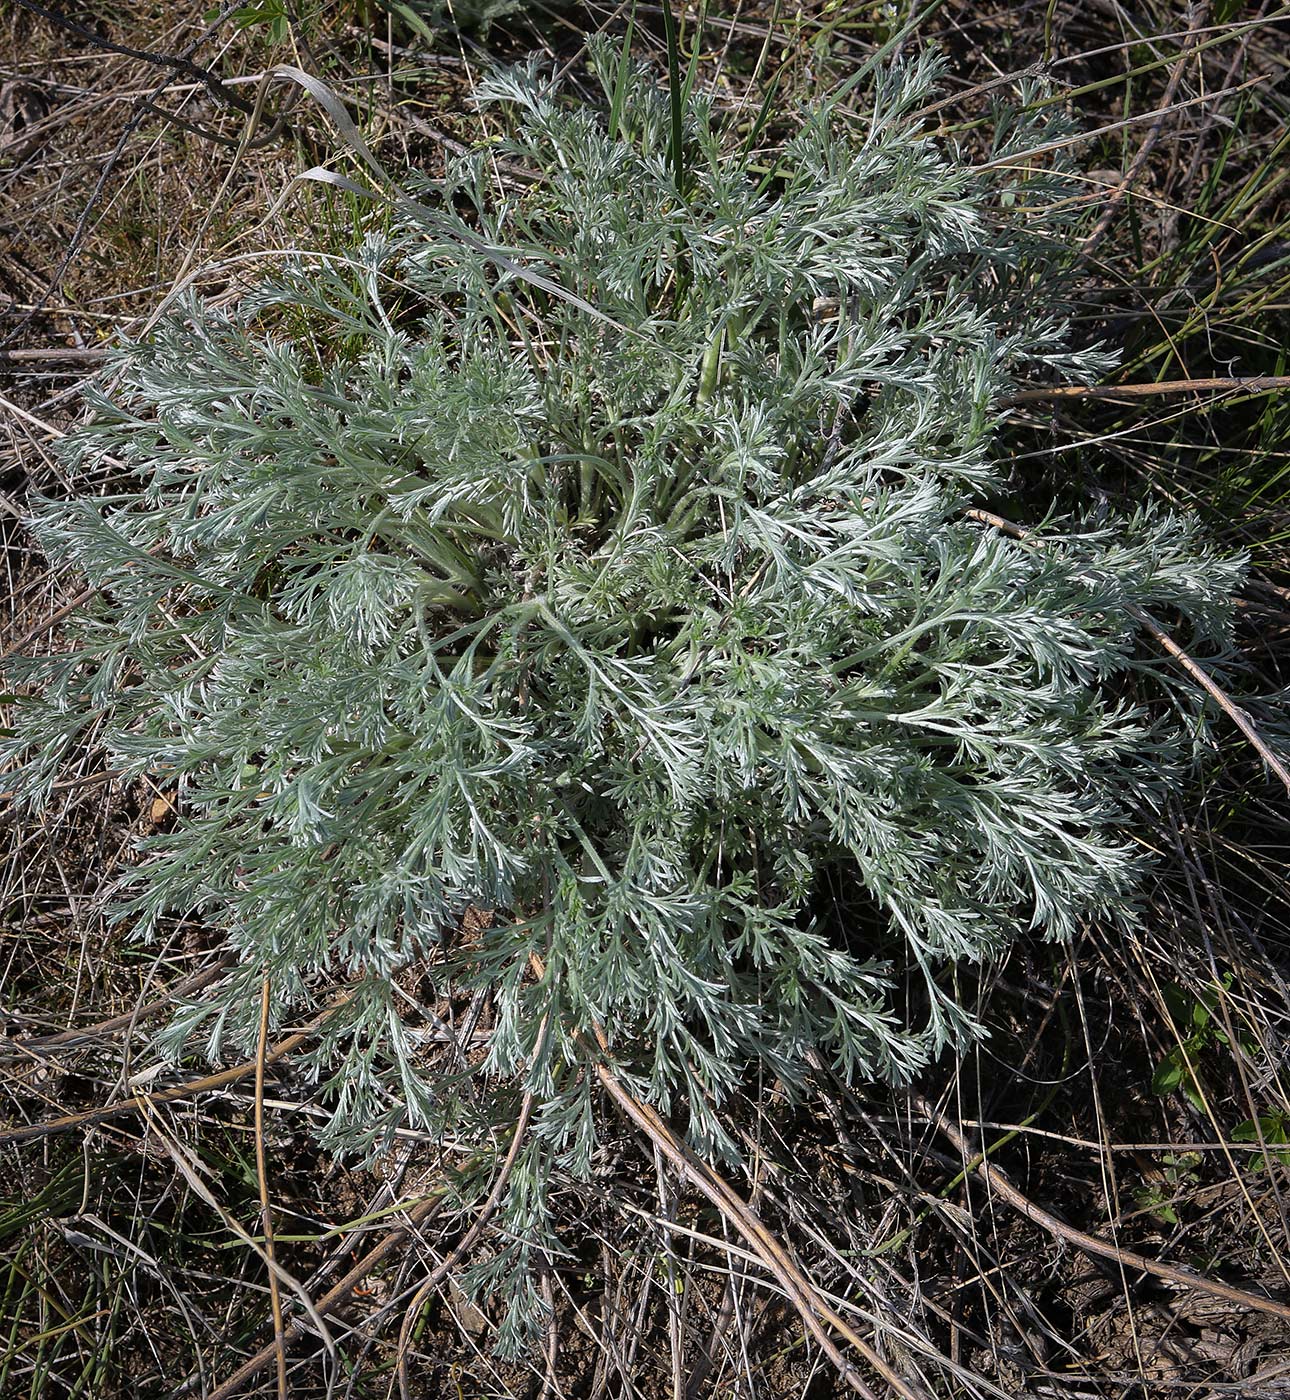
[(676, 100), (692, 67), (762, 117), (617, 126)]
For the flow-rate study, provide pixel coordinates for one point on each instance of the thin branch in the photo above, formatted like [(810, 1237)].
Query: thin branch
[(468, 1240), (87, 353), (1249, 384), (106, 1113), (178, 63), (262, 1178), (1127, 1258), (47, 624), (1234, 712), (331, 1300), (78, 1037), (1014, 161), (811, 1307)]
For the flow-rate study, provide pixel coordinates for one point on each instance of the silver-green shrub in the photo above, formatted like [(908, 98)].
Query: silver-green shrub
[(593, 552)]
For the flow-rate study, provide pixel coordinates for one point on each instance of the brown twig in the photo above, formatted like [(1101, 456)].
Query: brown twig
[(814, 1311), (331, 1300), (48, 623), (1090, 1244), (28, 417), (105, 1113), (173, 64), (1193, 668), (1250, 384), (1220, 697), (76, 1037), (262, 1177), (1014, 160), (177, 63), (87, 353)]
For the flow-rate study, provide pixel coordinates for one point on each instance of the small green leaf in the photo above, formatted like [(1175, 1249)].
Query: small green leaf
[(1178, 1004), (1271, 1127), (1169, 1073)]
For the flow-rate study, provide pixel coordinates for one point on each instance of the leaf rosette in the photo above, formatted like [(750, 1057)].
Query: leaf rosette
[(632, 602)]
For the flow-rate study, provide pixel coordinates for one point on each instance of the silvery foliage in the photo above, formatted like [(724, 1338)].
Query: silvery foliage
[(644, 615)]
